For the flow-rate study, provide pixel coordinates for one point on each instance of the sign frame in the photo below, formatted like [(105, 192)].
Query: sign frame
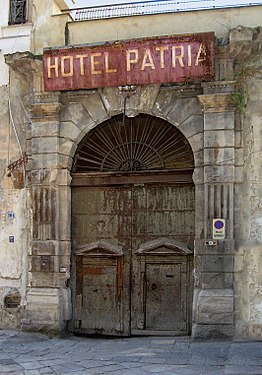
[(165, 59)]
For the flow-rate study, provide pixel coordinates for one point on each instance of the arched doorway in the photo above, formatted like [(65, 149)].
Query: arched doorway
[(132, 229)]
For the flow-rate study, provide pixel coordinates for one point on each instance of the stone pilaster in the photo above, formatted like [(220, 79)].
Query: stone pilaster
[(213, 308), (48, 298)]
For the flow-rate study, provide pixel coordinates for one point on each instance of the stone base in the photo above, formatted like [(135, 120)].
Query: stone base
[(248, 331), (11, 318), (213, 311), (216, 331), (47, 310)]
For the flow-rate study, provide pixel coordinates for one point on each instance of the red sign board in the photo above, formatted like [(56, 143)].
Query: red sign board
[(182, 58)]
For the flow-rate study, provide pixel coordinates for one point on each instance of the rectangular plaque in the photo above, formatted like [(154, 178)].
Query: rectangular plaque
[(182, 58)]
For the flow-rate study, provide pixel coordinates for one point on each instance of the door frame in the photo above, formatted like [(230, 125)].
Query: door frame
[(174, 177)]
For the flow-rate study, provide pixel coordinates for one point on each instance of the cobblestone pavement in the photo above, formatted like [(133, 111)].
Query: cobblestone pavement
[(33, 354)]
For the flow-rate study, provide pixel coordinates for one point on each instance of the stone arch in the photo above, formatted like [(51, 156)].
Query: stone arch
[(152, 100), (155, 143)]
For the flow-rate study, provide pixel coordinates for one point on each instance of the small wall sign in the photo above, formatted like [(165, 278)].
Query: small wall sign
[(219, 229), (10, 215), (11, 238)]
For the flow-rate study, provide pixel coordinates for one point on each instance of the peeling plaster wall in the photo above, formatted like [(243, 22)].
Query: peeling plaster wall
[(13, 194), (249, 292), (13, 199), (248, 264), (13, 255)]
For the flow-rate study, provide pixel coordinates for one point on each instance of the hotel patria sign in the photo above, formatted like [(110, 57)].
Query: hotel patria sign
[(181, 58)]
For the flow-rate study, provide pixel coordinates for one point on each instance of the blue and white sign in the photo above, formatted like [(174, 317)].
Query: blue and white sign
[(219, 229)]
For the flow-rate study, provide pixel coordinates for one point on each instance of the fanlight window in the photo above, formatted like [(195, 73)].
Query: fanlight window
[(17, 12), (133, 144)]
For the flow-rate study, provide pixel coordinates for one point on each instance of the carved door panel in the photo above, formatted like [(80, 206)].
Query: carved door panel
[(162, 296), (101, 262), (163, 217), (101, 310), (165, 297)]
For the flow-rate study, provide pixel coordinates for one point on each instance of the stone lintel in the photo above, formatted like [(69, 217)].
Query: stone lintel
[(216, 103)]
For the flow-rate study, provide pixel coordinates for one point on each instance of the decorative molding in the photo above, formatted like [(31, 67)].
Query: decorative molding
[(100, 248), (182, 90), (79, 93), (218, 87), (47, 97), (172, 247)]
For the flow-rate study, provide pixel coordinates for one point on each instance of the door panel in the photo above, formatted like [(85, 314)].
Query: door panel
[(101, 215), (100, 308), (161, 211), (163, 297)]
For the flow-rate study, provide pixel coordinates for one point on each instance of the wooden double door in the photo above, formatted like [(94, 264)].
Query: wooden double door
[(132, 258)]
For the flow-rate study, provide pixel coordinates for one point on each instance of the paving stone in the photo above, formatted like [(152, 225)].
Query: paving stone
[(132, 372), (155, 369), (53, 362), (46, 371), (9, 368), (31, 365), (129, 356), (67, 367), (7, 361), (94, 363), (245, 355), (199, 370), (179, 359), (243, 370), (207, 355), (130, 365), (111, 369)]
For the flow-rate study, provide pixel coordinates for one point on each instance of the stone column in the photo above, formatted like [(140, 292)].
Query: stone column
[(213, 307), (48, 298)]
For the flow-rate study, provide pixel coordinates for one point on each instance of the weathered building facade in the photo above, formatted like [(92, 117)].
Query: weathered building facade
[(137, 207)]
